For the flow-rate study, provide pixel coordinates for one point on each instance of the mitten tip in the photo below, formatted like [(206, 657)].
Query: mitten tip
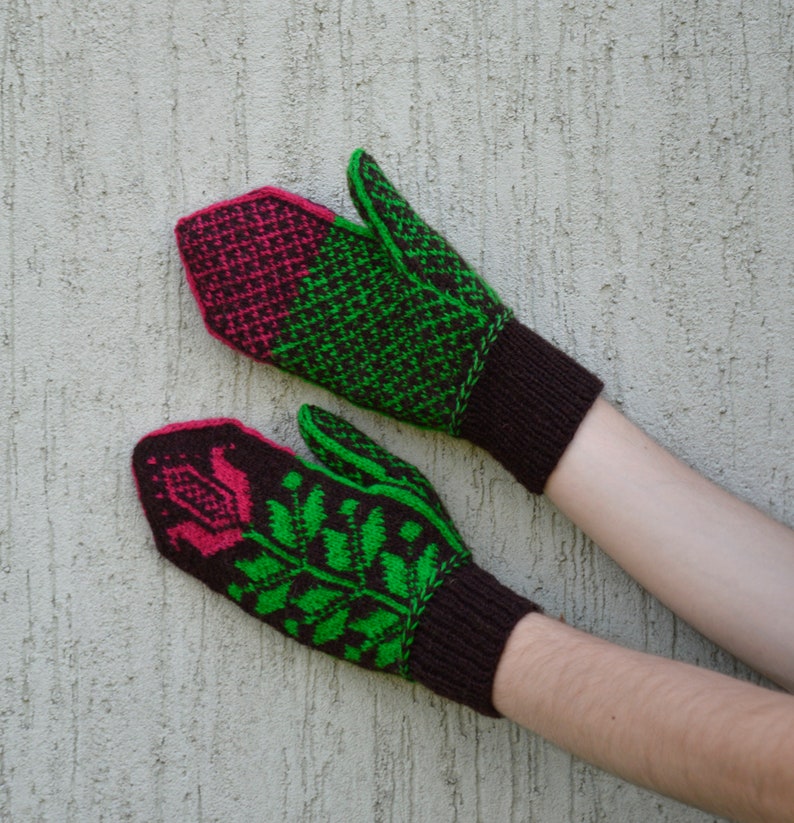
[(359, 159), (265, 193), (245, 259), (210, 423), (357, 155), (306, 416)]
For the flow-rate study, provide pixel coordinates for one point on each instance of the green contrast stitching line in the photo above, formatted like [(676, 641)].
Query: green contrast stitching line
[(417, 608), (364, 464), (325, 576), (477, 366)]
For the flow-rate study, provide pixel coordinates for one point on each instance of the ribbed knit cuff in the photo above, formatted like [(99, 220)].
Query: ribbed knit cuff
[(462, 634), (527, 404)]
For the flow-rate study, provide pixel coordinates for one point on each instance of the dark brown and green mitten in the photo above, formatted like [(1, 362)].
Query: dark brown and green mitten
[(356, 557), (387, 315)]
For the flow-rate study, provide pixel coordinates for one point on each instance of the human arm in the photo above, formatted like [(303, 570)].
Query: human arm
[(722, 565), (700, 737)]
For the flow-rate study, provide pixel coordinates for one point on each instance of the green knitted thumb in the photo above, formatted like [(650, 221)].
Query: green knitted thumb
[(411, 243), (351, 454)]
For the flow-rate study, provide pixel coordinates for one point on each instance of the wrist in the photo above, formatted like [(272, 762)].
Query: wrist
[(527, 404), (461, 636)]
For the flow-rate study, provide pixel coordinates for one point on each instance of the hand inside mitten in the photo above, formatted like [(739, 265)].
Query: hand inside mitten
[(357, 558)]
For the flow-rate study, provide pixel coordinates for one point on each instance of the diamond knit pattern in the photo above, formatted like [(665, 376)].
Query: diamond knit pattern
[(344, 565), (209, 502)]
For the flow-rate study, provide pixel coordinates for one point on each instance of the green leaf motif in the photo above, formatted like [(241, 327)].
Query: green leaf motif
[(425, 568), (313, 513), (373, 535), (316, 599), (395, 574), (281, 524), (261, 568), (348, 506), (332, 628), (292, 481), (352, 653), (272, 600), (410, 531), (388, 653), (337, 550), (375, 624)]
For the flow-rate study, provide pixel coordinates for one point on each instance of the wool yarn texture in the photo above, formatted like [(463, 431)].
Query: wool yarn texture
[(386, 314), (355, 556)]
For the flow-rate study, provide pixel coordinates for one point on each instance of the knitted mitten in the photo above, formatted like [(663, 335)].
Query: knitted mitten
[(357, 558), (387, 315)]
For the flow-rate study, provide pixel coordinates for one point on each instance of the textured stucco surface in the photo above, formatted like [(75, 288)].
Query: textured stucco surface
[(620, 172)]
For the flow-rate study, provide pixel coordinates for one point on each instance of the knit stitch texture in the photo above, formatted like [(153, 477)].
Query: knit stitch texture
[(387, 315), (344, 557), (394, 322)]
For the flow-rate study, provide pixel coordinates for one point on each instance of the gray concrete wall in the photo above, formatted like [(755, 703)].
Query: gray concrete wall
[(620, 172)]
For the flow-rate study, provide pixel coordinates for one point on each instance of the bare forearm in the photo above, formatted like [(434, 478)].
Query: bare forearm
[(723, 566), (705, 739)]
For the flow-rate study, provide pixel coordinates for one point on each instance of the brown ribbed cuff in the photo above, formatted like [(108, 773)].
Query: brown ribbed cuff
[(527, 404), (462, 634)]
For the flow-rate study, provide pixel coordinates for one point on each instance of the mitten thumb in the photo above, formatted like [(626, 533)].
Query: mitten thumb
[(350, 454), (412, 245)]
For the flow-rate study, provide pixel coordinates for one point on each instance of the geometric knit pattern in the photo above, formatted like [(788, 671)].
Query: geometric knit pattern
[(412, 244), (387, 315), (349, 453), (228, 251), (344, 559)]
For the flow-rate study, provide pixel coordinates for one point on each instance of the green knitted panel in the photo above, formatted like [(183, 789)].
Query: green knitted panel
[(411, 242), (382, 339), (340, 573)]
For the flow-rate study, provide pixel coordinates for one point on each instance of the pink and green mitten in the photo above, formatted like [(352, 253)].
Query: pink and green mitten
[(387, 315), (356, 557)]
